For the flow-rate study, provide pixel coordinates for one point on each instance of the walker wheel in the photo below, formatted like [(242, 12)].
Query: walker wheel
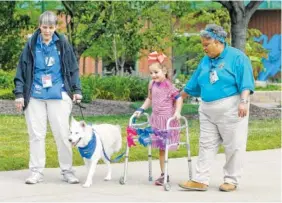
[(121, 180), (167, 187), (151, 178)]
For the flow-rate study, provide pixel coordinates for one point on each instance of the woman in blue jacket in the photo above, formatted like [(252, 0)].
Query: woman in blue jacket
[(46, 83)]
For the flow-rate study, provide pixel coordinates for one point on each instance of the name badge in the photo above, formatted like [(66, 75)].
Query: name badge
[(46, 81), (213, 76)]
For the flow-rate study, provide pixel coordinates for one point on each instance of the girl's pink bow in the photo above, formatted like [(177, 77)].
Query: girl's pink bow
[(131, 133), (156, 57)]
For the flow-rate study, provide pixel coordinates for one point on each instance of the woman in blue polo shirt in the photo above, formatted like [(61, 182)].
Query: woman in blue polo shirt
[(224, 80)]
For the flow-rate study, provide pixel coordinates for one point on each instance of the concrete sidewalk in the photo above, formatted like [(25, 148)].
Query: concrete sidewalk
[(261, 182)]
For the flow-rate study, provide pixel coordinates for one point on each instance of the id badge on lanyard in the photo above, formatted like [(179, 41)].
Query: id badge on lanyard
[(47, 78), (213, 75)]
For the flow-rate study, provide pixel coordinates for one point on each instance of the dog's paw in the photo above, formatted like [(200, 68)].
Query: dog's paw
[(107, 178), (86, 185)]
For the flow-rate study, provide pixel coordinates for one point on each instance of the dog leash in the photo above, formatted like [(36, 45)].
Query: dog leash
[(115, 159), (119, 156), (105, 154), (80, 107)]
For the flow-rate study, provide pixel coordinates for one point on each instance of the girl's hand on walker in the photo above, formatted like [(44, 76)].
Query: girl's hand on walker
[(138, 112), (176, 116)]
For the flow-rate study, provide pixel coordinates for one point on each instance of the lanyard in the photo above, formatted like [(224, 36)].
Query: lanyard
[(212, 67), (213, 74), (46, 52)]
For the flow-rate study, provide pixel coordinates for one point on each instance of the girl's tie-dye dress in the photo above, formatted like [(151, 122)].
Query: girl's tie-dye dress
[(163, 107)]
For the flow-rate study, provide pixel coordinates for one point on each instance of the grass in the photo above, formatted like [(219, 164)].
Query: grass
[(14, 146), (269, 87)]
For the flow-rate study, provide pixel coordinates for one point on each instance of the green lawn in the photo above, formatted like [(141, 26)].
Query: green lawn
[(14, 149), (269, 87)]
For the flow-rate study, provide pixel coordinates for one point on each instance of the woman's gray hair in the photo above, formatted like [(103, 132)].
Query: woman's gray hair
[(48, 18), (214, 31)]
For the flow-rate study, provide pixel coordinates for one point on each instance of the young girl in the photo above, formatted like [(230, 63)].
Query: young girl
[(166, 103)]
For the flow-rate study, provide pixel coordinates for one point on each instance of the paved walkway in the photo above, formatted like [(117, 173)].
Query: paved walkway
[(261, 182), (267, 105)]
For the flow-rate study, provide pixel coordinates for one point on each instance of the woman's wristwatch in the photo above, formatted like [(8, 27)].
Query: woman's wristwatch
[(244, 101)]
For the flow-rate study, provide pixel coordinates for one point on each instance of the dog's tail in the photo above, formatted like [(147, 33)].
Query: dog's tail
[(119, 139)]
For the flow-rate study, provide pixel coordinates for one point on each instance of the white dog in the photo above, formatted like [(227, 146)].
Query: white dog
[(90, 140)]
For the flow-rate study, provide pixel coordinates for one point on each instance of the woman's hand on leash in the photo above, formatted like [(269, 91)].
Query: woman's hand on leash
[(19, 103), (77, 98)]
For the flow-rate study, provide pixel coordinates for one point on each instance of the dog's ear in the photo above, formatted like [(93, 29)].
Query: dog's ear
[(82, 124)]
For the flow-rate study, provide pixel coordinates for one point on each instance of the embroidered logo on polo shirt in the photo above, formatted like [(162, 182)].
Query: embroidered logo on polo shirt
[(221, 65)]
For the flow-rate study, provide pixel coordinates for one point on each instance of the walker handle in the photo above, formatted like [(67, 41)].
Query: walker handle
[(139, 124), (180, 127)]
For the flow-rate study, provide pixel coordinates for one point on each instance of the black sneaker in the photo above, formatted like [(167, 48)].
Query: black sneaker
[(160, 180)]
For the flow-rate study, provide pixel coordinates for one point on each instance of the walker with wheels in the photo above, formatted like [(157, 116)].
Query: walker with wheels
[(141, 131)]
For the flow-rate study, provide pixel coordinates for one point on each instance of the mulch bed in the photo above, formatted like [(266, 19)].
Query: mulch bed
[(107, 107)]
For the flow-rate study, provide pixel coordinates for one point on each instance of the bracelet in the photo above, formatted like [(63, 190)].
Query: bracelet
[(140, 109), (244, 101)]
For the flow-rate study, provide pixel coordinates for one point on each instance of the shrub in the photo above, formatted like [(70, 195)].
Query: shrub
[(255, 51), (7, 94), (181, 80), (6, 79), (6, 84), (125, 88)]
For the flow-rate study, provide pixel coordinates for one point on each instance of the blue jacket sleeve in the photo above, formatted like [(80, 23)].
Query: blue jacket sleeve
[(192, 87), (19, 80), (244, 74), (74, 72)]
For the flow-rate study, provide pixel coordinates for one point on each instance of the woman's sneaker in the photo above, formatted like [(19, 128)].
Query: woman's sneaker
[(70, 178), (160, 180), (34, 178)]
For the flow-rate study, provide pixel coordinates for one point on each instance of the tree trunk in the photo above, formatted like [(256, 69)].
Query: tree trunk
[(83, 67), (96, 65), (115, 54), (121, 64), (240, 16), (70, 27), (238, 34), (69, 6)]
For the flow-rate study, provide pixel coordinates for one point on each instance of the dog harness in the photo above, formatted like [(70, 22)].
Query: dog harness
[(89, 149)]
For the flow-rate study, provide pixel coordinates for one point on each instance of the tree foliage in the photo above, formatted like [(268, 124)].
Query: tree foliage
[(18, 19), (105, 29), (191, 45), (11, 36), (121, 38), (240, 16), (115, 30), (255, 51)]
